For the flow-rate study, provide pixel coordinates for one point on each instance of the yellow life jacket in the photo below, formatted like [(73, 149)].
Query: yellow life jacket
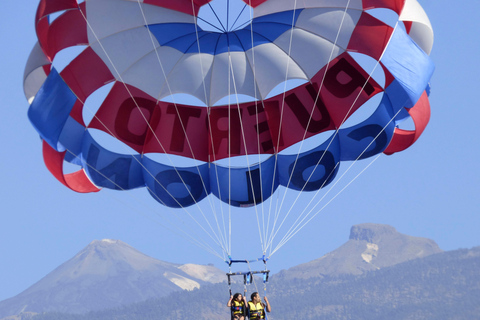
[(237, 307), (256, 310)]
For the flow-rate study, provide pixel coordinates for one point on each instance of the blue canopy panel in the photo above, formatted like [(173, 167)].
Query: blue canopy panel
[(188, 38), (412, 69), (248, 186), (370, 137), (111, 170), (176, 187), (51, 108), (313, 169), (71, 139)]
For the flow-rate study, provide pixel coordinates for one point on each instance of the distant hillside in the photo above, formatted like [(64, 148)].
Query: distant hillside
[(378, 273), (370, 247), (441, 286), (107, 274)]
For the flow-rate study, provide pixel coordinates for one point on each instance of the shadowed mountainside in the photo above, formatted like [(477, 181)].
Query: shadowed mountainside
[(370, 247), (107, 274)]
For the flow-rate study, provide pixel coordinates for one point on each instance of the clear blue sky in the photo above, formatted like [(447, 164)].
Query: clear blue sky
[(428, 191)]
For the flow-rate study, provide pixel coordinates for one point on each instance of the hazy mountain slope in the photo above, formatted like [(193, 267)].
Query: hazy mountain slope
[(106, 274), (444, 286), (370, 247), (376, 272), (440, 286)]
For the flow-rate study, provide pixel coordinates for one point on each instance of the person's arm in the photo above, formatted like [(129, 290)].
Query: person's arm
[(267, 305), (229, 303)]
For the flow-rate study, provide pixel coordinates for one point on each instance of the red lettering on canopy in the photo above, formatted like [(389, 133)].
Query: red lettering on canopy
[(258, 118), (249, 128), (246, 133), (225, 130), (179, 129), (346, 87), (304, 115), (126, 115)]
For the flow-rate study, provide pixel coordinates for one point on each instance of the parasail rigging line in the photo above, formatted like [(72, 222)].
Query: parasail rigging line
[(336, 132), (222, 235), (213, 146), (298, 227), (231, 78), (253, 68), (277, 211), (246, 152), (196, 241), (295, 225), (307, 126), (336, 182), (175, 168), (229, 242)]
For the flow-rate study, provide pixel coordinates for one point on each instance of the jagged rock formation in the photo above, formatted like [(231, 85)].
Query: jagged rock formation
[(370, 247), (107, 274)]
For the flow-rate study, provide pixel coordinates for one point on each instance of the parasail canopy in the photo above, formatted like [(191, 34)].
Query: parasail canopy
[(234, 102)]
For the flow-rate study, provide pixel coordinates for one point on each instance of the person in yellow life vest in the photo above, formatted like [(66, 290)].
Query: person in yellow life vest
[(256, 308), (237, 305)]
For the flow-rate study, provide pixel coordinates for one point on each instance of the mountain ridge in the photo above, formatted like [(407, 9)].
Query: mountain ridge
[(105, 274), (109, 273), (444, 285), (370, 247)]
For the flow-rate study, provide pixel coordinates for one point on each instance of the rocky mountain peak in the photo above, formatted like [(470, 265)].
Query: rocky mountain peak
[(370, 247), (371, 232), (106, 274)]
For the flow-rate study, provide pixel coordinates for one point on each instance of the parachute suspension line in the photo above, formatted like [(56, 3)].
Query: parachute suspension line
[(229, 159), (227, 237), (341, 177), (263, 233), (186, 136), (160, 184), (298, 227), (173, 228), (224, 234), (144, 168), (245, 146), (277, 211), (306, 129), (181, 123), (300, 215), (336, 132)]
